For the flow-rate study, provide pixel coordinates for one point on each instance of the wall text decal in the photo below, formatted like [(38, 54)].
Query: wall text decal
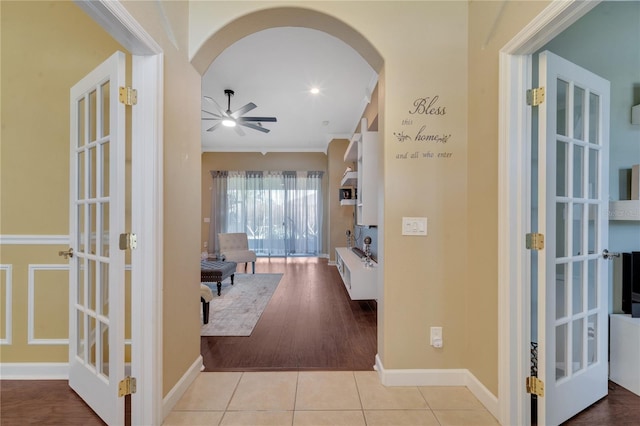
[(423, 108)]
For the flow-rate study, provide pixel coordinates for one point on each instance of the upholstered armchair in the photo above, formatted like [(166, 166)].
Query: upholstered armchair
[(234, 247)]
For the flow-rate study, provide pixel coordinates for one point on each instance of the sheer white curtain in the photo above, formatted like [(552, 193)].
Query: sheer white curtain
[(281, 211)]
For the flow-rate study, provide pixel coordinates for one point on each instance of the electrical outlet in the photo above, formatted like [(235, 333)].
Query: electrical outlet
[(436, 337)]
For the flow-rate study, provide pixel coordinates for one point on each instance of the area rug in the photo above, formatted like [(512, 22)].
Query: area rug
[(239, 307)]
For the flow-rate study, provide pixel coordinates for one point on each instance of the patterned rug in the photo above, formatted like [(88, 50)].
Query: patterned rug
[(239, 307)]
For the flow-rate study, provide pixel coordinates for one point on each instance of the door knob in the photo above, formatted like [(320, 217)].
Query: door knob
[(607, 255), (67, 254)]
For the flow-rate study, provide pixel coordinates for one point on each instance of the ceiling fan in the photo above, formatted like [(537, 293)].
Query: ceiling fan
[(235, 119)]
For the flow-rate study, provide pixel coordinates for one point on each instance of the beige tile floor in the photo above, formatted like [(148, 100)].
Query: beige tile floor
[(322, 398)]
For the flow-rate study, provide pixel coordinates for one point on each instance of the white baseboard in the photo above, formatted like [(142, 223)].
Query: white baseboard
[(181, 387), (440, 377), (34, 371)]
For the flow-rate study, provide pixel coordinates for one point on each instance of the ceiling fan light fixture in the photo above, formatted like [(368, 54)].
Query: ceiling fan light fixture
[(227, 122)]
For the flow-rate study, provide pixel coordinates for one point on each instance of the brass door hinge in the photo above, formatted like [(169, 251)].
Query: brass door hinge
[(535, 96), (535, 241), (127, 386), (128, 96), (128, 241), (535, 386)]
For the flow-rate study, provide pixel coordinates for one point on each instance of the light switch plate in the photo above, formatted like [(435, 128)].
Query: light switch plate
[(414, 226)]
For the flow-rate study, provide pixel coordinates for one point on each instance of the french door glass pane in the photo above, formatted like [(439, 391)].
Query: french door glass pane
[(92, 335), (561, 351), (594, 118), (92, 116), (562, 168), (592, 225), (578, 170), (561, 290), (578, 242), (104, 364), (105, 229), (561, 229), (80, 276), (80, 115), (577, 295), (104, 122), (91, 285), (92, 164), (81, 183), (104, 147), (593, 336), (577, 345), (578, 113), (104, 287), (592, 277), (562, 108), (93, 227), (81, 230), (80, 335), (594, 191)]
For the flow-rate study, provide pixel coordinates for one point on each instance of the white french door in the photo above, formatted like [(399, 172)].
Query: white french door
[(573, 185), (97, 217)]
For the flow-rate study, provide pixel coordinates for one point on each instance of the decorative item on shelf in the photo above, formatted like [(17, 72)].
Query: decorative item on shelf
[(348, 238), (368, 263), (346, 194)]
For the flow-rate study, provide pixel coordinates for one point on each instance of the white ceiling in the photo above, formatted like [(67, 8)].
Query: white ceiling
[(275, 69)]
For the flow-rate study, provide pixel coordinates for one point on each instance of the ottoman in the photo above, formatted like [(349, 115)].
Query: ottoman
[(216, 271)]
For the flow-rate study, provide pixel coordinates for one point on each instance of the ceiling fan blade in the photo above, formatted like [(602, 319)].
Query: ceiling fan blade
[(254, 127), (215, 126), (265, 119), (239, 131), (213, 101), (243, 110), (211, 113)]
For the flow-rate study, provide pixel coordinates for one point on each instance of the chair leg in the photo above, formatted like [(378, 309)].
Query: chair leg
[(219, 287), (205, 311), (253, 267), (245, 267), (232, 278)]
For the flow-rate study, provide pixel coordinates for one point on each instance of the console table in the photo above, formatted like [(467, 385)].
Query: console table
[(361, 282)]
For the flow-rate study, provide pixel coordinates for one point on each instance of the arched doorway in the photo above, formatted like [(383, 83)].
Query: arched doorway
[(260, 21)]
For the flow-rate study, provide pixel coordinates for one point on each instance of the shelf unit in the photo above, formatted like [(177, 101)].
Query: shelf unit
[(360, 281), (367, 168), (624, 210), (349, 179)]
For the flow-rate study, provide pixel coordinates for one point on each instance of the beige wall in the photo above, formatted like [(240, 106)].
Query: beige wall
[(488, 33), (46, 48), (182, 177), (299, 161), (424, 47)]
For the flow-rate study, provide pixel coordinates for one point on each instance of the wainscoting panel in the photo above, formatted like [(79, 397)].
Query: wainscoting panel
[(47, 323), (6, 284)]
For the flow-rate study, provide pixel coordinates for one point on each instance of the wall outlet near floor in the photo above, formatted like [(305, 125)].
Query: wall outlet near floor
[(436, 337)]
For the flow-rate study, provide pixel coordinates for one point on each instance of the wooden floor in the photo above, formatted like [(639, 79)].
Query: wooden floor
[(309, 324)]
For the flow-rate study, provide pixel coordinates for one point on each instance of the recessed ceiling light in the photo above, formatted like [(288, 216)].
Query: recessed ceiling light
[(315, 90)]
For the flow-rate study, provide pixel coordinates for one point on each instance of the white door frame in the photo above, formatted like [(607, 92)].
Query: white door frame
[(514, 203), (147, 201)]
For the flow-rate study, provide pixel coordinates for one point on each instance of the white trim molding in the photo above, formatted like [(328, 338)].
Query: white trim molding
[(8, 302), (10, 239), (439, 377), (31, 288), (34, 370), (181, 387)]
